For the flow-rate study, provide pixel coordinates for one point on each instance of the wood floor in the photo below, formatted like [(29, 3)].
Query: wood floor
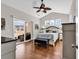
[(29, 51)]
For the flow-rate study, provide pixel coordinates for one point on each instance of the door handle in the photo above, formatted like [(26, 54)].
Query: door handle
[(75, 46)]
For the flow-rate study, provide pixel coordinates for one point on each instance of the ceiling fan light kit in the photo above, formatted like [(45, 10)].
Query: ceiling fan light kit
[(42, 7)]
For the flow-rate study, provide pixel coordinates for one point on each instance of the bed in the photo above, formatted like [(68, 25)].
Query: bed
[(52, 37)]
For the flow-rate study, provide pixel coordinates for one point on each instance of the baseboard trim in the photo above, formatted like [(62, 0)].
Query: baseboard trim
[(24, 42)]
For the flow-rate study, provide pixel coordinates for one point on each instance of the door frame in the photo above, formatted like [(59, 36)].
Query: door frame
[(25, 30)]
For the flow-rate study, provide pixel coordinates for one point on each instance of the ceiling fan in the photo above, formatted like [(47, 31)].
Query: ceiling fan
[(42, 7)]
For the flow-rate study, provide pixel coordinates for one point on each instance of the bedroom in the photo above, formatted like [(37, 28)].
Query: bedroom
[(52, 30)]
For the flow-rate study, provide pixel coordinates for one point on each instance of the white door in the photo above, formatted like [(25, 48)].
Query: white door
[(69, 41)]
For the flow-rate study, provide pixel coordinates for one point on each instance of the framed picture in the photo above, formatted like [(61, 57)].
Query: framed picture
[(2, 23), (36, 26)]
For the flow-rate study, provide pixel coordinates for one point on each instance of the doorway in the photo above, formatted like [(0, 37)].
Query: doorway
[(28, 31), (22, 30), (18, 27)]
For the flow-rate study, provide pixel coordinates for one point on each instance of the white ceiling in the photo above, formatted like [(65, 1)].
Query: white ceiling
[(58, 6)]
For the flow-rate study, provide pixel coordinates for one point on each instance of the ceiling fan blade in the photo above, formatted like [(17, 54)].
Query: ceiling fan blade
[(44, 11), (38, 10), (37, 7), (48, 8)]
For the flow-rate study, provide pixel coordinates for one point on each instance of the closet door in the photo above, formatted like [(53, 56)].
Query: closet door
[(69, 41)]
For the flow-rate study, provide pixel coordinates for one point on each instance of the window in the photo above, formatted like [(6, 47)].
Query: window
[(54, 22)]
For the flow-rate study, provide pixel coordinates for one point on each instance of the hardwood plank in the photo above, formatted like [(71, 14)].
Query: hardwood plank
[(30, 51)]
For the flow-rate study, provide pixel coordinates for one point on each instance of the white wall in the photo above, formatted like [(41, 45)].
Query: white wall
[(35, 32), (7, 12), (74, 8)]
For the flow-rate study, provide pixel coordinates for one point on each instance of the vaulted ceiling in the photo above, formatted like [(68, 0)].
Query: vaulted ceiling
[(58, 6)]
